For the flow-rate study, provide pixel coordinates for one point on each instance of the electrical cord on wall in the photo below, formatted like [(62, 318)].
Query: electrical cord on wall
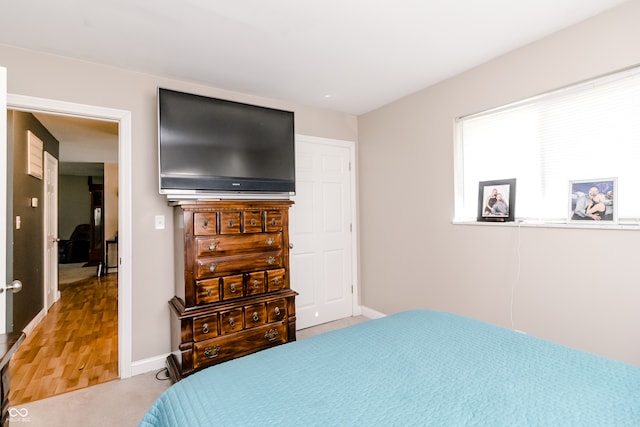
[(517, 279)]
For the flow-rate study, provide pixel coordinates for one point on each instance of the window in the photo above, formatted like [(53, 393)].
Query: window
[(587, 131)]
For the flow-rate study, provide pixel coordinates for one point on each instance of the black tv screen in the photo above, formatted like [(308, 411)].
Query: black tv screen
[(210, 145)]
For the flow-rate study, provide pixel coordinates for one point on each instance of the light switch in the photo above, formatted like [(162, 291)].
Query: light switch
[(18, 222), (159, 222)]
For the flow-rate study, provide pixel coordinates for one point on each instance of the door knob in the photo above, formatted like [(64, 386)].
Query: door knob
[(15, 287)]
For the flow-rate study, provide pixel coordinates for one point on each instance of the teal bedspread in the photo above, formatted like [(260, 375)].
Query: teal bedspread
[(422, 368)]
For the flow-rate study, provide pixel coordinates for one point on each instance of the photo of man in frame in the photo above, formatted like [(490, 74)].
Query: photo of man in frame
[(496, 200), (592, 200)]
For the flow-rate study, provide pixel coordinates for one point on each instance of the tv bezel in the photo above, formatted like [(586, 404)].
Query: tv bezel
[(226, 187)]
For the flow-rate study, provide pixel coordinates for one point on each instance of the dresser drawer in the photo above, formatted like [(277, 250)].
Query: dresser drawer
[(232, 287), (231, 321), (207, 291), (230, 222), (210, 352), (276, 310), (204, 223), (252, 221), (220, 349), (224, 265), (222, 245), (255, 283), (274, 221), (255, 315), (205, 327), (275, 280), (207, 246)]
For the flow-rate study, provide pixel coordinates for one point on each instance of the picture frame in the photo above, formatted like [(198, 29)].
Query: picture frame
[(497, 200), (593, 201), (34, 155)]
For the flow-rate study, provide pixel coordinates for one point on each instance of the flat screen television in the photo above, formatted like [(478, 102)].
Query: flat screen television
[(209, 147)]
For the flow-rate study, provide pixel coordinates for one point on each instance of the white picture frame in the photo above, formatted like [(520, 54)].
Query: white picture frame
[(35, 155), (593, 201)]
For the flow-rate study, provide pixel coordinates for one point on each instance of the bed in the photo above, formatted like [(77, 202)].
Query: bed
[(418, 367)]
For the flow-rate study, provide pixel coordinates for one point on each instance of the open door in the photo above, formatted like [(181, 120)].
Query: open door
[(3, 199), (8, 284), (51, 239)]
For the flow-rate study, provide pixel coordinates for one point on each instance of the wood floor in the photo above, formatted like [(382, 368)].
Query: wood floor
[(75, 346)]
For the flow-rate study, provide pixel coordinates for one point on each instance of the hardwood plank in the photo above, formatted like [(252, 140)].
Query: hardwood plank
[(75, 345)]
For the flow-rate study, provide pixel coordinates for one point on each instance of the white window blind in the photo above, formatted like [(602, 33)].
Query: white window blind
[(589, 131)]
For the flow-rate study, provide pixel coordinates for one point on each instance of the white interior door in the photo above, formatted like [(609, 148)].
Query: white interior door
[(320, 232), (51, 293), (3, 198)]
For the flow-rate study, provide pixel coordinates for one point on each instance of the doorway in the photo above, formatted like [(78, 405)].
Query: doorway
[(71, 344), (124, 274)]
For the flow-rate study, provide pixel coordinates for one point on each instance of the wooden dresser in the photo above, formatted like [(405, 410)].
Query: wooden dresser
[(232, 294)]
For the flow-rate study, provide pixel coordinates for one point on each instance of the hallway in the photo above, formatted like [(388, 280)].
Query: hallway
[(75, 346)]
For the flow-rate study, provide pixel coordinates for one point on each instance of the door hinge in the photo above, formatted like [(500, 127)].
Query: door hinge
[(351, 228), (351, 288)]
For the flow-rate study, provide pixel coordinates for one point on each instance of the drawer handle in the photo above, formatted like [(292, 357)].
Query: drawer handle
[(276, 280), (253, 221), (230, 223), (212, 352), (270, 241), (271, 260), (255, 316), (212, 267), (205, 223), (255, 283), (271, 334), (273, 221), (213, 246), (232, 288), (277, 311), (232, 322), (205, 328), (208, 292)]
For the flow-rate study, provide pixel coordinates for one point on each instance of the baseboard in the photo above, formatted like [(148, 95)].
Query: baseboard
[(34, 322), (143, 366), (371, 313)]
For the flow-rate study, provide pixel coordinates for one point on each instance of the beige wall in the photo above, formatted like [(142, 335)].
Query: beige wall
[(574, 286), (52, 77)]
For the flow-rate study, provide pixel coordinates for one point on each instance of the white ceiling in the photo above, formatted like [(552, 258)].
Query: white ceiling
[(351, 56)]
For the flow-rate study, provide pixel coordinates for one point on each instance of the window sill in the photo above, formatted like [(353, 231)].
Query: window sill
[(620, 225)]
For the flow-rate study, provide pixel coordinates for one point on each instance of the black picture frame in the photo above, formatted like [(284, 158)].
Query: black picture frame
[(497, 200)]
